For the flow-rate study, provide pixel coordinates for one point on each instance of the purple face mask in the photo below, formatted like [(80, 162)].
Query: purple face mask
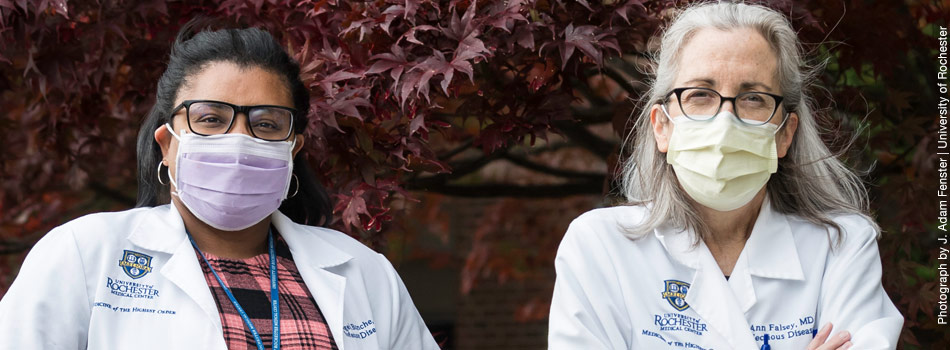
[(231, 181)]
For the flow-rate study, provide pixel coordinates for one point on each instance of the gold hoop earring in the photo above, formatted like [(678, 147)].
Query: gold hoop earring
[(297, 188), (159, 173)]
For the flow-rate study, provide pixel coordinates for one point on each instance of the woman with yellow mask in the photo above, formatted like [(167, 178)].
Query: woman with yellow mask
[(743, 231)]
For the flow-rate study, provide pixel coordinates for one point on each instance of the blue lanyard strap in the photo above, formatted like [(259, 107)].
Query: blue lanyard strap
[(274, 296)]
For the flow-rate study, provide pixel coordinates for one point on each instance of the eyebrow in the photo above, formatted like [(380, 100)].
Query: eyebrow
[(746, 85)]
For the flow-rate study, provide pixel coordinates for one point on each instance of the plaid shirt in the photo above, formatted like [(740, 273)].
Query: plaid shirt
[(302, 325)]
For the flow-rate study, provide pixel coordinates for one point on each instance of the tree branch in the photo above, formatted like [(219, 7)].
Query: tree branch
[(585, 138), (461, 148), (593, 115), (541, 168), (553, 147), (111, 193), (458, 169), (14, 246), (624, 83), (507, 190)]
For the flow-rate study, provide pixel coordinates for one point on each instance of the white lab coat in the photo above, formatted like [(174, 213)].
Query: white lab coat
[(63, 296), (609, 292)]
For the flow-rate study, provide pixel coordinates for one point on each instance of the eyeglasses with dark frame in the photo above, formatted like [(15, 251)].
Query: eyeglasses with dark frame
[(210, 117), (752, 108)]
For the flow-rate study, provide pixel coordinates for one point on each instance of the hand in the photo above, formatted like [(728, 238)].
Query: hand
[(840, 341)]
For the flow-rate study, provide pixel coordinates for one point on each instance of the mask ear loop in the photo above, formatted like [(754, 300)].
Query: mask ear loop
[(173, 182), (666, 113), (787, 115), (172, 131), (170, 179), (293, 144)]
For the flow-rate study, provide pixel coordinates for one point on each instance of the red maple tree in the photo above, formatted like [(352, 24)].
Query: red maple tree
[(421, 95)]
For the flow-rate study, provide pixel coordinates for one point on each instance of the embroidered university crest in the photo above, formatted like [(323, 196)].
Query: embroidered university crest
[(135, 264), (675, 293)]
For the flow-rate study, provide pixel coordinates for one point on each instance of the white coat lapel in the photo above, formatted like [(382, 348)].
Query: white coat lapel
[(315, 258), (714, 301), (740, 283), (709, 295), (327, 289), (770, 252), (164, 232), (183, 270)]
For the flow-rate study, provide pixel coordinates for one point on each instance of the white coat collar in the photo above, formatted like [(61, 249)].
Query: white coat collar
[(160, 230), (769, 252), (771, 249), (709, 294), (326, 285), (164, 231)]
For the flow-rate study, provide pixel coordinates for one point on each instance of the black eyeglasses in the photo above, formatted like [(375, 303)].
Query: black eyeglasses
[(753, 108), (266, 122)]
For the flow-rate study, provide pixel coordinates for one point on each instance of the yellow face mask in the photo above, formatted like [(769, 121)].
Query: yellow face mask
[(720, 162)]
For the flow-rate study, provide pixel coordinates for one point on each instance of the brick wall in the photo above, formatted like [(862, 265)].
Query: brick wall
[(487, 317)]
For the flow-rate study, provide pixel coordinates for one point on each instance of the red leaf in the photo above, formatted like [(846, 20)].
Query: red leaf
[(340, 75), (355, 207), (348, 107), (409, 82), (329, 53), (346, 102), (365, 25), (325, 115), (583, 38), (395, 61), (410, 12), (585, 4), (390, 14), (257, 5), (469, 48), (464, 67), (463, 27), (410, 35), (416, 123), (622, 10), (433, 65), (505, 14), (610, 43), (59, 6), (524, 37)]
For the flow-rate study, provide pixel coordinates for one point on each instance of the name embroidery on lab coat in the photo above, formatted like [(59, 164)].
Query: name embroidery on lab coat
[(360, 331), (135, 264), (802, 326)]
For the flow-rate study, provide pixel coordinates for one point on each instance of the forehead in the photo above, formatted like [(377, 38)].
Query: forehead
[(728, 60), (233, 83)]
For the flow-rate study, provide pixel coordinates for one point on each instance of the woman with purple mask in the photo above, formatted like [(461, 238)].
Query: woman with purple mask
[(236, 258)]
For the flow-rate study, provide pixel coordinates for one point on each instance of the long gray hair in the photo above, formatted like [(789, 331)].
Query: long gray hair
[(810, 182)]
